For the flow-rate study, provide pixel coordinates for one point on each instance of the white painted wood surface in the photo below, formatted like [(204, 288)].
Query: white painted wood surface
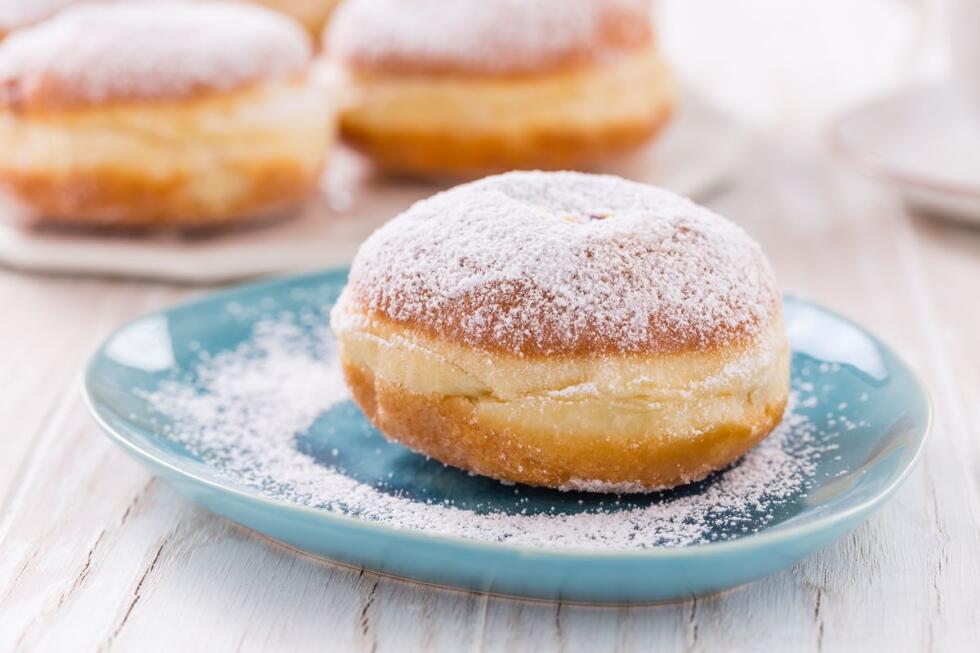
[(96, 555)]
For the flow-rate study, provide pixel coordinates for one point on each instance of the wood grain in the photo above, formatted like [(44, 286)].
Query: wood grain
[(99, 556)]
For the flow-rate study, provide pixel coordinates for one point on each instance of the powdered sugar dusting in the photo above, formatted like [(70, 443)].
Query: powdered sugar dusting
[(481, 35), (100, 51), (536, 262), (18, 13), (249, 413), (15, 14)]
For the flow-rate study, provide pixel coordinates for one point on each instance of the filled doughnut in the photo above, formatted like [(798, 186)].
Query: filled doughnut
[(477, 86), (566, 330), (161, 114)]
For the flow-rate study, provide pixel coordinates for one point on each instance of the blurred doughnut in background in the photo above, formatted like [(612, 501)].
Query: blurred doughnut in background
[(475, 86), (176, 114)]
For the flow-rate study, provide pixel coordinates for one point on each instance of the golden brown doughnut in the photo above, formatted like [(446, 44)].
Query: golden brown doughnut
[(566, 330), (161, 114), (477, 86)]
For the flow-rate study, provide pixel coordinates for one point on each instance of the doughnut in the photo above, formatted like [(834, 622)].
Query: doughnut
[(566, 330), (450, 89), (15, 14), (176, 114)]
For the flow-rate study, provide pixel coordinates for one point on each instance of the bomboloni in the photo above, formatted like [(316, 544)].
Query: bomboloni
[(566, 330)]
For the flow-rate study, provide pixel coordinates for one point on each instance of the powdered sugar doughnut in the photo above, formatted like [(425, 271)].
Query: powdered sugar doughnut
[(486, 37), (160, 113), (476, 85), (16, 14), (566, 330), (105, 52)]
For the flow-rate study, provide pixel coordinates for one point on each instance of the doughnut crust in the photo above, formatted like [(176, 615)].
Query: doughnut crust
[(568, 331), (512, 418), (190, 132), (475, 88)]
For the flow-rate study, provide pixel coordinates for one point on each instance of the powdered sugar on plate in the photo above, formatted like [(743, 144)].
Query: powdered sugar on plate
[(273, 415)]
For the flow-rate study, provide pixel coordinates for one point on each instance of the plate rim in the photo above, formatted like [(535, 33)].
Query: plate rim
[(761, 539), (881, 167)]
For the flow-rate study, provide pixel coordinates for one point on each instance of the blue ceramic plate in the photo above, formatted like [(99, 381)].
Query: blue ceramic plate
[(868, 412)]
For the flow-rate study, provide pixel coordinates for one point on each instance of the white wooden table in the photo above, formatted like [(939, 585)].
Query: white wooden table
[(97, 555)]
